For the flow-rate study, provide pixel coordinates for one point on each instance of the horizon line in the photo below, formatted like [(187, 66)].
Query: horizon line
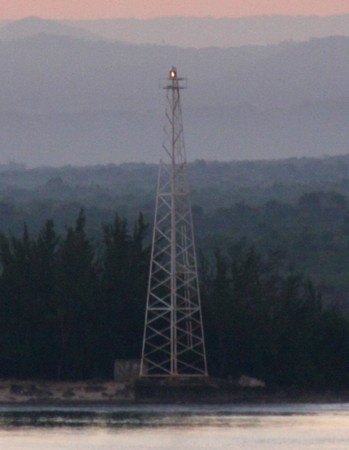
[(179, 16)]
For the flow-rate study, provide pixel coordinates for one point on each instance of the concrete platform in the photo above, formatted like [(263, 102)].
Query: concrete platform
[(191, 389)]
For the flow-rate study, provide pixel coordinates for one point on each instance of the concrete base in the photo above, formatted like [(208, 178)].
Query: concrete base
[(178, 389)]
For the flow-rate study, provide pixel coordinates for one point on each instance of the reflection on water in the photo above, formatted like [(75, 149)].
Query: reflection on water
[(155, 415), (159, 415), (168, 427)]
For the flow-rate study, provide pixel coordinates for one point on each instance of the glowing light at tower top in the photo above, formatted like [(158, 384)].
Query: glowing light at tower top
[(173, 73)]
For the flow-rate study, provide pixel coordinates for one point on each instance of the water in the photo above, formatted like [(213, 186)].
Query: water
[(153, 427)]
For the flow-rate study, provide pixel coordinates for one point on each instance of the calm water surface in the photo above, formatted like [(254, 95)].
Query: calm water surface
[(321, 427)]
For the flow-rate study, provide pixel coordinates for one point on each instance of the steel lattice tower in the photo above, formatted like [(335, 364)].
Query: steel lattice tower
[(173, 342)]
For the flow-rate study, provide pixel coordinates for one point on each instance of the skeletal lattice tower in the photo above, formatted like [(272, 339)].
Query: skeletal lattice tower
[(173, 343)]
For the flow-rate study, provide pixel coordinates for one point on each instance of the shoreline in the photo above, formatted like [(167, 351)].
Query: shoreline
[(24, 393), (14, 392)]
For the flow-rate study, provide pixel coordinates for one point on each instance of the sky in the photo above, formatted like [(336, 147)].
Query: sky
[(99, 9)]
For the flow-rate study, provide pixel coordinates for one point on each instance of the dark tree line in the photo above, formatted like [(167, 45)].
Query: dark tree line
[(70, 306), (265, 321)]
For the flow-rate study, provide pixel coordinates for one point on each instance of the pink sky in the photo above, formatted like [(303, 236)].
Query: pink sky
[(96, 9)]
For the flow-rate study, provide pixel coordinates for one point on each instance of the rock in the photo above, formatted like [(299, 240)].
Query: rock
[(68, 393), (94, 388), (34, 391), (246, 381), (16, 389)]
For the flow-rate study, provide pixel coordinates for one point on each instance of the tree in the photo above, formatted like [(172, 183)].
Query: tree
[(124, 265), (76, 303)]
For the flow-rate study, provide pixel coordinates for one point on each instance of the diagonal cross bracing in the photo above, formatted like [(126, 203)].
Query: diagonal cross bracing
[(173, 342)]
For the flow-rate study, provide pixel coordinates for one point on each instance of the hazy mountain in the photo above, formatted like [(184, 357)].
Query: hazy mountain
[(75, 101), (32, 26), (187, 31), (224, 32)]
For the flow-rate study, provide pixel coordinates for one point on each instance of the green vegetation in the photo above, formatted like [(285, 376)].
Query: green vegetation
[(270, 322), (72, 297), (70, 306)]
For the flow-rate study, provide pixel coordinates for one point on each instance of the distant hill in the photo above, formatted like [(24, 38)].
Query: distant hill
[(196, 32), (222, 182), (67, 100), (224, 32), (32, 26)]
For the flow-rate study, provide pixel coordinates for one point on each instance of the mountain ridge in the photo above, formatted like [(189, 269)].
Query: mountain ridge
[(196, 32), (32, 26), (66, 100)]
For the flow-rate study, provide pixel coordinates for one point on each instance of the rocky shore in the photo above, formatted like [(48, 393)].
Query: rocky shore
[(110, 392), (17, 391)]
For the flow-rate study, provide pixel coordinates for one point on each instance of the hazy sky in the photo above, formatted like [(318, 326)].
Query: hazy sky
[(93, 9)]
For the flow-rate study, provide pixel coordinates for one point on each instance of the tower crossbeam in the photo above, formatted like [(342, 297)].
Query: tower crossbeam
[(173, 342)]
